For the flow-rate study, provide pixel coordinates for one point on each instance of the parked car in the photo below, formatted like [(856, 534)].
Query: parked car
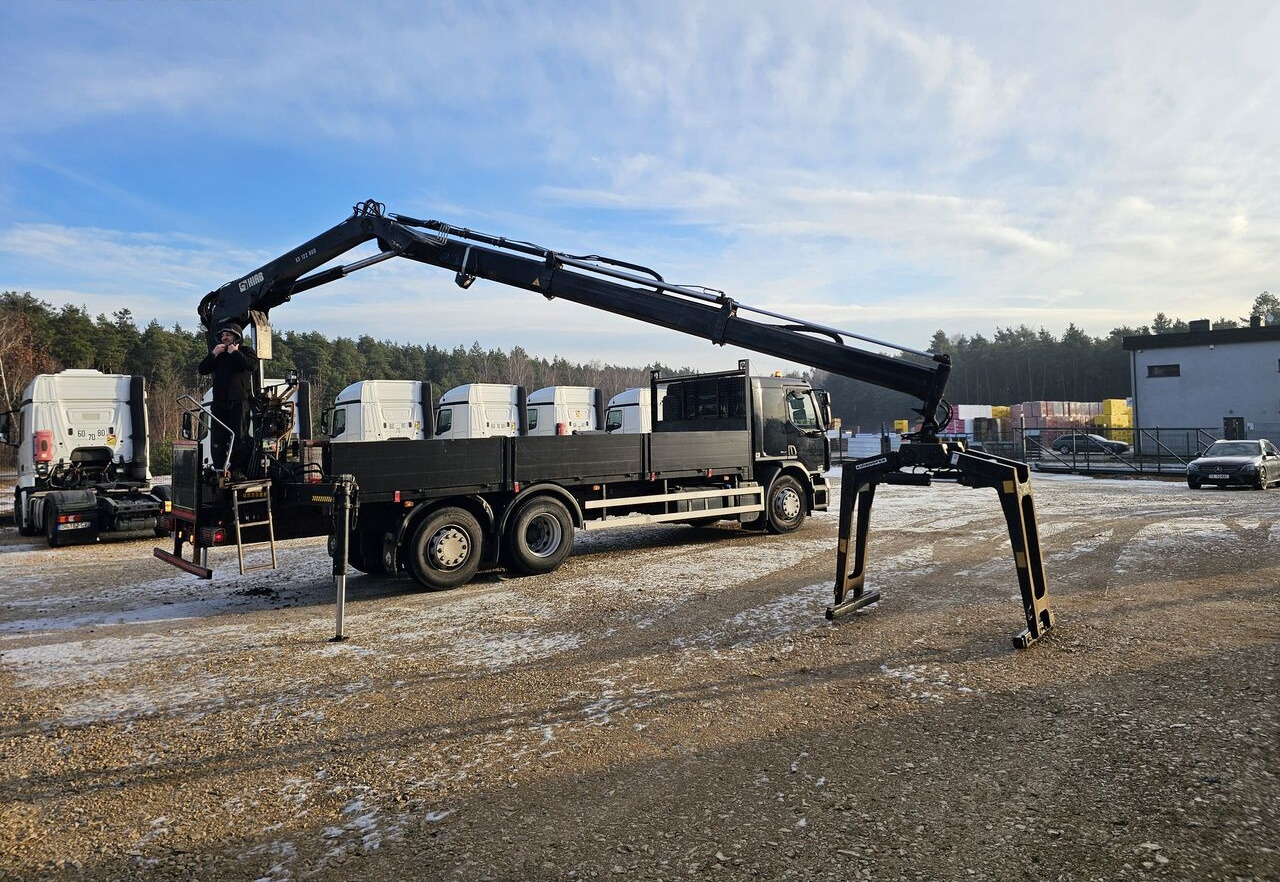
[(1249, 463), (1068, 444)]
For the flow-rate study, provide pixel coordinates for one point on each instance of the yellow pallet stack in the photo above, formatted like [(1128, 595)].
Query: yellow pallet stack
[(1117, 419)]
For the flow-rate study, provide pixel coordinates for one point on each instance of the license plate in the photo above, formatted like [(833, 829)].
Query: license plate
[(1218, 477), (75, 525)]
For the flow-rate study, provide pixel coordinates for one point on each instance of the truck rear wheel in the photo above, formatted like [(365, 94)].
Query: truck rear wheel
[(445, 551), (365, 553), (539, 537), (355, 553), (51, 522), (785, 506)]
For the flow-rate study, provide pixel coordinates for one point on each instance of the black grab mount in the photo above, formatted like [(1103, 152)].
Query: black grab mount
[(1010, 479)]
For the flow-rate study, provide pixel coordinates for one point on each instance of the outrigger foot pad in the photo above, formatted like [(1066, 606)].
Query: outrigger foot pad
[(852, 605)]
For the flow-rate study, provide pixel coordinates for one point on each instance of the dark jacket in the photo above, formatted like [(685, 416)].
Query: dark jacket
[(232, 373)]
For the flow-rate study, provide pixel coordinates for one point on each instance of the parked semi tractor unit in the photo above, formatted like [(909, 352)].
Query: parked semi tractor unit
[(83, 469), (439, 511)]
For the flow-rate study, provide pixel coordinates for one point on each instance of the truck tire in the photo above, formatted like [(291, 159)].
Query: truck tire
[(163, 493), (785, 506), (539, 537), (445, 551), (25, 528), (365, 553), (355, 553), (51, 522)]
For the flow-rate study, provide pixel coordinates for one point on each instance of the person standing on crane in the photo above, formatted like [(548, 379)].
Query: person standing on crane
[(232, 365)]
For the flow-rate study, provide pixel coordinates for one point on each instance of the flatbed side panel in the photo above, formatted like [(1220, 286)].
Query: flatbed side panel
[(679, 453), (578, 458), (434, 464)]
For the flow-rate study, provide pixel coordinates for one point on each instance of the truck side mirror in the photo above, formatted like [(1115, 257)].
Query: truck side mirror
[(824, 405), (324, 422), (291, 377), (193, 430), (6, 426)]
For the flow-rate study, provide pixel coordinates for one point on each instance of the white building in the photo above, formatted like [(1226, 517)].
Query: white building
[(1221, 383)]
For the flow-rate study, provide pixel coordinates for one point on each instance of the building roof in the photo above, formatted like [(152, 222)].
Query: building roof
[(1202, 338)]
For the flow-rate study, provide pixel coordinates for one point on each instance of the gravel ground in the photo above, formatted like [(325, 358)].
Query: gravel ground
[(670, 704)]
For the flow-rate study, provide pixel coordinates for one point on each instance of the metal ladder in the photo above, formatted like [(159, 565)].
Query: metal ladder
[(247, 498)]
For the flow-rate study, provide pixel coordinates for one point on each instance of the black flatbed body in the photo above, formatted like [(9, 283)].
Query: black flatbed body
[(437, 468)]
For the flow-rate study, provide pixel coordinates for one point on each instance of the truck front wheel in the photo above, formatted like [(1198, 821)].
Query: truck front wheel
[(446, 547), (539, 537), (785, 507)]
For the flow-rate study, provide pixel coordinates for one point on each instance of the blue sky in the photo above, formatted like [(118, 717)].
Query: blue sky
[(886, 168)]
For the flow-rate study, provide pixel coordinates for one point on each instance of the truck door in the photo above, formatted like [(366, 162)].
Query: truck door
[(805, 429)]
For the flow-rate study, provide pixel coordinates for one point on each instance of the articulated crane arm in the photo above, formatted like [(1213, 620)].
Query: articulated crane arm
[(634, 291)]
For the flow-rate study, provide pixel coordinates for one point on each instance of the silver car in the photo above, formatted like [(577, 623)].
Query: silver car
[(1246, 463)]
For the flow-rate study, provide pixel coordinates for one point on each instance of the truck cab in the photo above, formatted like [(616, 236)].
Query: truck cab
[(480, 410), (380, 410), (629, 412), (787, 417), (564, 410)]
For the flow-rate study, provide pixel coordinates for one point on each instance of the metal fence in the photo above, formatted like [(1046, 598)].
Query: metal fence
[(1155, 451)]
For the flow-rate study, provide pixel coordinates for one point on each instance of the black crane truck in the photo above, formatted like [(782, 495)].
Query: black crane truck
[(724, 445)]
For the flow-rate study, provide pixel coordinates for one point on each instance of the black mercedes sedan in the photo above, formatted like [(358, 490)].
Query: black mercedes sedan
[(1248, 463)]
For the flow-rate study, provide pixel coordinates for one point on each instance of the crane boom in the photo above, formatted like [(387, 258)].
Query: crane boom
[(615, 287)]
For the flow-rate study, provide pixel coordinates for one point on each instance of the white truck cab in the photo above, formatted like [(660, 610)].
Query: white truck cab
[(480, 410), (630, 411), (380, 410), (563, 410)]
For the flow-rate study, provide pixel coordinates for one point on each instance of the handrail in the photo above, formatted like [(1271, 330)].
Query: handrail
[(199, 405)]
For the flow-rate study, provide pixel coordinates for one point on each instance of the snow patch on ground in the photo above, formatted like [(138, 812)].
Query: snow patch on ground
[(925, 682), (1160, 548)]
